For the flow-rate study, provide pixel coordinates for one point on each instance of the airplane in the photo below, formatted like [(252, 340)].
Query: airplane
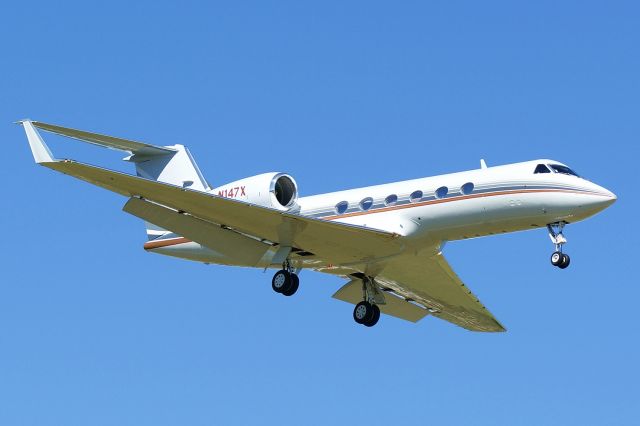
[(385, 240)]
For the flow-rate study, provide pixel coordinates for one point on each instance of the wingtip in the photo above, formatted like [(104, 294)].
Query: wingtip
[(500, 328), (39, 149)]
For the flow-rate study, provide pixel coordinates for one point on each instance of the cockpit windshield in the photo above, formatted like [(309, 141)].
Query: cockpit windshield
[(558, 168), (541, 168)]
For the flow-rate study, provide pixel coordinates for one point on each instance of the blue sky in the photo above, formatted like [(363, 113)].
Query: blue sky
[(93, 330)]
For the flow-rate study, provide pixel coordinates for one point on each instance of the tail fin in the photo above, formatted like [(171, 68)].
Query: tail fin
[(178, 168), (168, 164)]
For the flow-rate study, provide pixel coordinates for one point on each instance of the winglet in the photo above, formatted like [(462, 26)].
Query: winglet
[(40, 150)]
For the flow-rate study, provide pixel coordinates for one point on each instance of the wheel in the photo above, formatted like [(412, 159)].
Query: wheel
[(281, 281), (557, 258), (566, 260), (375, 318), (363, 312), (293, 287)]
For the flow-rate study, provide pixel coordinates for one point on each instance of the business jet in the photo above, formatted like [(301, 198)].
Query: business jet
[(385, 240)]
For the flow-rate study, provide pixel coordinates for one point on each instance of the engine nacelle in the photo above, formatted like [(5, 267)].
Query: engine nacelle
[(275, 190)]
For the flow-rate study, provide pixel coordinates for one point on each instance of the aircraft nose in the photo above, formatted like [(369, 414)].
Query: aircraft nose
[(609, 196), (603, 199), (613, 197)]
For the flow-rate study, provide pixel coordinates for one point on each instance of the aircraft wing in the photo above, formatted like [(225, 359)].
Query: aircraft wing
[(430, 281), (333, 242)]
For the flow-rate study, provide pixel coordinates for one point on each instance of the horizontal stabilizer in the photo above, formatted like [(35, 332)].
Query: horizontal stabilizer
[(394, 306), (111, 142)]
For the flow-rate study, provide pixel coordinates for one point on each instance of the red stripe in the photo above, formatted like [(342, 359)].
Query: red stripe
[(149, 245), (181, 240), (446, 200)]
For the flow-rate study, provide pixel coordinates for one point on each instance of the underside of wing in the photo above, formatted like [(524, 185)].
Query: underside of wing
[(430, 281), (329, 241)]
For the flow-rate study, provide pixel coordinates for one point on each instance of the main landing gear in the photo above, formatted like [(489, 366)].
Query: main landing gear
[(558, 258), (285, 281), (367, 312)]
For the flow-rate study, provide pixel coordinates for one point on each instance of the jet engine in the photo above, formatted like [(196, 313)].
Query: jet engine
[(275, 190)]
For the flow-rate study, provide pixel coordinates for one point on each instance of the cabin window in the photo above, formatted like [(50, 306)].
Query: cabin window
[(342, 207), (541, 168), (366, 203), (558, 168), (391, 200), (467, 188), (442, 192), (415, 196)]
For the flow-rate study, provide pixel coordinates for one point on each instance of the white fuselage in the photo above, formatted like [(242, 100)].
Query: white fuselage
[(476, 203)]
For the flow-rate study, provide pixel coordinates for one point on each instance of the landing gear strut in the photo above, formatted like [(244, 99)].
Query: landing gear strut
[(367, 312), (558, 258), (285, 281)]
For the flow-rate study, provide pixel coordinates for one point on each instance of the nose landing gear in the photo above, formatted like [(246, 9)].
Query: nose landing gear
[(558, 258)]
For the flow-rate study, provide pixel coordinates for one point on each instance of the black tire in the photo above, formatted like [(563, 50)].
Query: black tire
[(375, 318), (363, 312), (293, 287), (566, 260), (281, 281), (557, 258)]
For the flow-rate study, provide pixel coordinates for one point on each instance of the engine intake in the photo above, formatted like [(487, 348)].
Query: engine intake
[(275, 190), (285, 190)]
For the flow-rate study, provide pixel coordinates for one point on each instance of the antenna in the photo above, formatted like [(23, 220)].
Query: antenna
[(483, 165)]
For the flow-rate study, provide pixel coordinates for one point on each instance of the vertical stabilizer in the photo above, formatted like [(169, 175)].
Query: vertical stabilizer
[(176, 168)]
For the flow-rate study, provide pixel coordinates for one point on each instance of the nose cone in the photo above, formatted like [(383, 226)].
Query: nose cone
[(600, 199), (605, 202), (612, 198), (608, 197)]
